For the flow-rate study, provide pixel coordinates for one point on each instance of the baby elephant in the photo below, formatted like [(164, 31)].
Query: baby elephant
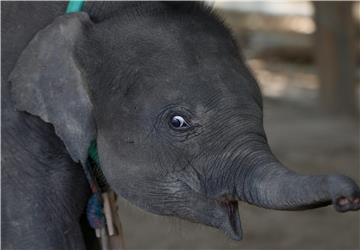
[(176, 114)]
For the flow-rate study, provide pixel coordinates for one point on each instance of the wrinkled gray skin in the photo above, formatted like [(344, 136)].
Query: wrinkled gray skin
[(119, 72)]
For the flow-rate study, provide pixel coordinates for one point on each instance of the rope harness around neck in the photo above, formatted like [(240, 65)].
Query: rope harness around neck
[(101, 207)]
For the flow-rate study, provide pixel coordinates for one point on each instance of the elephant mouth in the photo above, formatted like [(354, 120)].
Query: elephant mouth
[(230, 224), (219, 212)]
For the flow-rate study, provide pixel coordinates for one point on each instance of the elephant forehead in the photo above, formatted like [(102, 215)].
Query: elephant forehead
[(157, 63), (150, 38)]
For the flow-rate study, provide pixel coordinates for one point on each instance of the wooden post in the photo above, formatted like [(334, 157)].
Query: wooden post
[(117, 240), (335, 44)]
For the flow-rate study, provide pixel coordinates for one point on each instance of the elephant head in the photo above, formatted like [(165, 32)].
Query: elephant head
[(176, 114)]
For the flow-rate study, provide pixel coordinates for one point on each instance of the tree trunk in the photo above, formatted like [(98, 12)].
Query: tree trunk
[(335, 43)]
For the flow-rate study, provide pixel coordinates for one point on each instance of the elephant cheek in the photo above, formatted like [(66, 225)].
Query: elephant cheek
[(166, 197)]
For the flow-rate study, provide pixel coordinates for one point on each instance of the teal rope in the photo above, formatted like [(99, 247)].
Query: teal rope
[(92, 152), (74, 6), (94, 168)]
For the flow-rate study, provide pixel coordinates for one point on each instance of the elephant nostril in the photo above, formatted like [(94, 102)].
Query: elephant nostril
[(357, 201)]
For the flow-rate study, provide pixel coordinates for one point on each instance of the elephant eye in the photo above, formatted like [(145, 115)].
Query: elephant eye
[(178, 122)]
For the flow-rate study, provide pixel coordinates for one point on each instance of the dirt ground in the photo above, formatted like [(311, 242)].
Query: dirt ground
[(304, 139)]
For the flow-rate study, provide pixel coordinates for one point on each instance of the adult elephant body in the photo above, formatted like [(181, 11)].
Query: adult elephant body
[(176, 114), (43, 190)]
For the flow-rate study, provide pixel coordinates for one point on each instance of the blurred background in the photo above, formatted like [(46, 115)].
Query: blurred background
[(306, 58)]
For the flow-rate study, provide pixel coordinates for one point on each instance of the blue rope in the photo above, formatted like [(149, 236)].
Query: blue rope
[(94, 211)]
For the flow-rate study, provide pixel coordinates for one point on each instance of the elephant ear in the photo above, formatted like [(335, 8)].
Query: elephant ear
[(47, 82)]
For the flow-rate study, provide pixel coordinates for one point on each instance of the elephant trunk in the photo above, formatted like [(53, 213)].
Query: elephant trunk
[(269, 184)]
